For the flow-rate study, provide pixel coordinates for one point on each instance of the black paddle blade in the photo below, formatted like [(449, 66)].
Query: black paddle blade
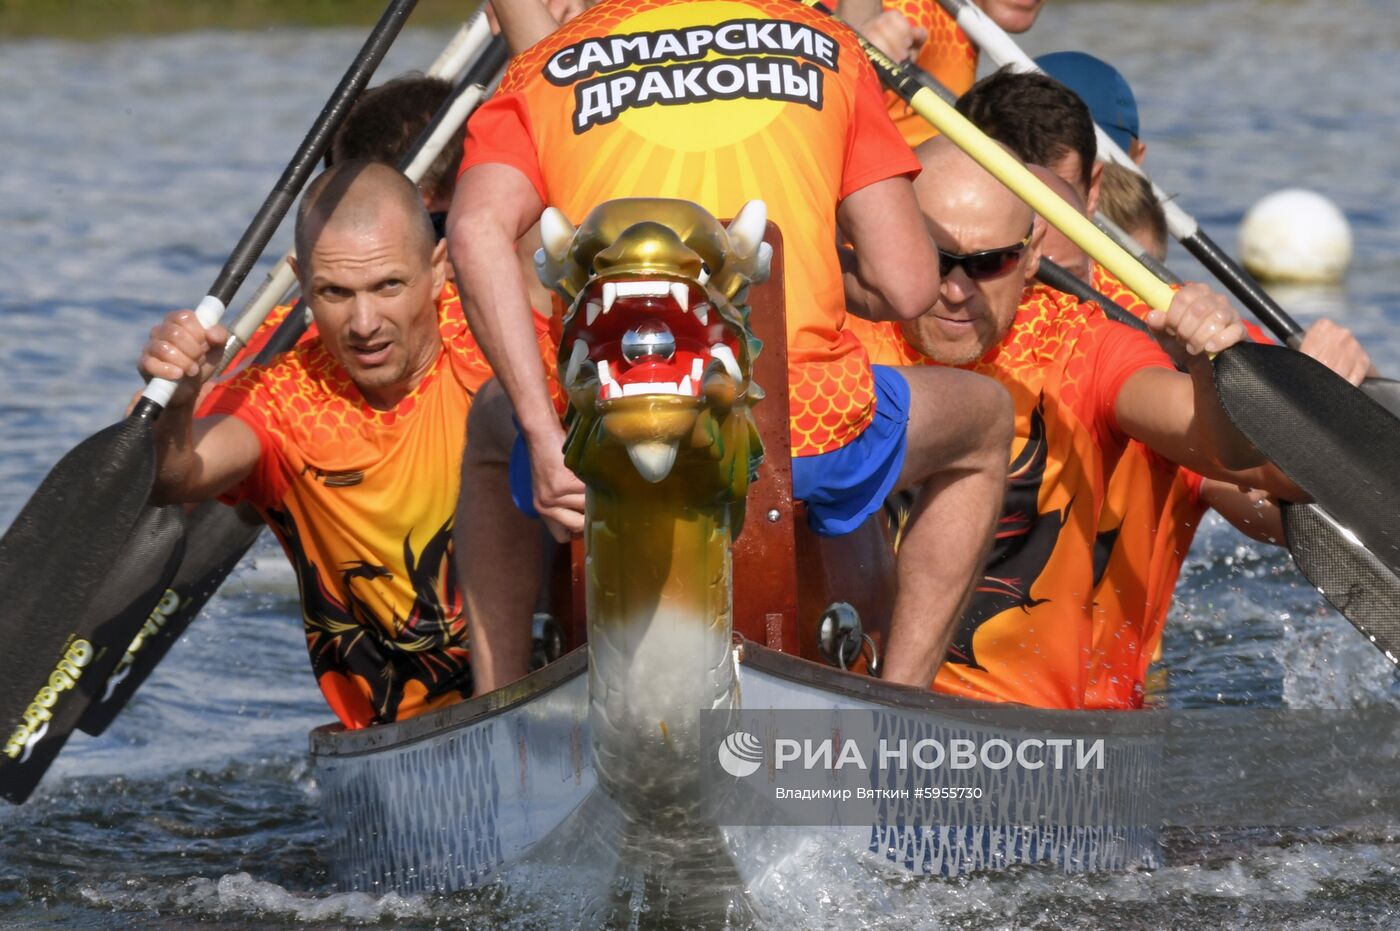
[(77, 672), (1351, 579), (58, 552), (1385, 392), (216, 538), (1338, 445)]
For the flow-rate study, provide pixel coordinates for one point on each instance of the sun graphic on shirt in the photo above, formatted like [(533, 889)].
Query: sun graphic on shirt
[(695, 127)]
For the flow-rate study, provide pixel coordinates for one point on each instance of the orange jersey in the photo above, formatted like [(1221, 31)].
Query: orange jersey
[(948, 55), (362, 501), (1145, 530), (1149, 519), (249, 352), (717, 102), (1027, 635)]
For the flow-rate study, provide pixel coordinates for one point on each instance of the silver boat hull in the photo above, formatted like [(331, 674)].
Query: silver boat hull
[(463, 796)]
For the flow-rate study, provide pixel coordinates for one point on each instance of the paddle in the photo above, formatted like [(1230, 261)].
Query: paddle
[(218, 536), (1003, 50), (61, 548), (1355, 582), (1349, 576), (1267, 391), (464, 47)]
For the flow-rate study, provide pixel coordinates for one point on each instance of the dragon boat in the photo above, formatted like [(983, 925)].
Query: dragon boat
[(644, 758)]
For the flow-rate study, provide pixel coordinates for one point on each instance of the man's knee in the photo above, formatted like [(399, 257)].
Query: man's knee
[(1000, 419), (958, 419), (491, 427)]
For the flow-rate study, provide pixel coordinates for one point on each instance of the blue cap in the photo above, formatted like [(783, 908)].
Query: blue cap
[(1103, 90)]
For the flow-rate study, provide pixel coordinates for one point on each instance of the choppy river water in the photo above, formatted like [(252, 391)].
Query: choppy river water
[(129, 168)]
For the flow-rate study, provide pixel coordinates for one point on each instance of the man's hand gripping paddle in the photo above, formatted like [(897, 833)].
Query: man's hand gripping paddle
[(1302, 417), (58, 555)]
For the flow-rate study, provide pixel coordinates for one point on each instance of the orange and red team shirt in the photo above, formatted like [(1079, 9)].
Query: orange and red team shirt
[(1027, 635), (948, 55), (362, 501), (1149, 520), (717, 102)]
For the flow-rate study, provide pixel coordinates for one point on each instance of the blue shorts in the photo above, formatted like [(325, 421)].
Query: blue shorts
[(845, 486), (522, 487), (841, 488)]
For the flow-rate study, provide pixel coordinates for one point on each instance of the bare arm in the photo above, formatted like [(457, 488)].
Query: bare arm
[(523, 22), (894, 275), (494, 206), (1178, 415), (858, 11), (1250, 511), (195, 459)]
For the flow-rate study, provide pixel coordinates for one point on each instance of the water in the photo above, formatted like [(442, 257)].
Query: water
[(131, 166)]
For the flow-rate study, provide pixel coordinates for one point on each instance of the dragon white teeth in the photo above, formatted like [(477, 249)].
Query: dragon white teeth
[(697, 369), (648, 288), (653, 458), (591, 312), (726, 356), (680, 293), (658, 387), (576, 357), (702, 313), (611, 389), (609, 295)]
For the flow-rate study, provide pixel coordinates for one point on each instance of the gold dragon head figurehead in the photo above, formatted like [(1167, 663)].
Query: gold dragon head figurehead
[(655, 355)]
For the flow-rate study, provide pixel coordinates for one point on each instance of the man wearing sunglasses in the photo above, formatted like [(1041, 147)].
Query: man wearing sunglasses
[(1082, 388), (1152, 506)]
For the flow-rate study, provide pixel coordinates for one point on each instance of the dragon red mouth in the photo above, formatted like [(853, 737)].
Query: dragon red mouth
[(613, 309)]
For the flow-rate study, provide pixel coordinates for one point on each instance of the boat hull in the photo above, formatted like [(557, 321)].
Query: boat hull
[(457, 798)]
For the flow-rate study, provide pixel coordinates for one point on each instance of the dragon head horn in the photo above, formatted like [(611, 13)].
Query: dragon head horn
[(556, 233), (746, 239)]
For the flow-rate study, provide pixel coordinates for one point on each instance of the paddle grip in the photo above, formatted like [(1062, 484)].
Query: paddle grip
[(1243, 286)]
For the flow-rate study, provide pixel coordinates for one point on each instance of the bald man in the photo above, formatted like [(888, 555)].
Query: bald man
[(349, 445), (1082, 387)]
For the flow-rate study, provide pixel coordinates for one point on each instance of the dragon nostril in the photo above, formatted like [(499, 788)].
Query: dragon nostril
[(650, 340)]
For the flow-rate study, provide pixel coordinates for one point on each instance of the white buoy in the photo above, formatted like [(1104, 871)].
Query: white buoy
[(1295, 235)]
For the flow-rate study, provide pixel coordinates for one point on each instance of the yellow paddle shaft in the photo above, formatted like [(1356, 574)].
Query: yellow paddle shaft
[(1057, 212)]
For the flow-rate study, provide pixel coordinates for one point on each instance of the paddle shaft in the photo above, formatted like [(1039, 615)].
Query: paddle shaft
[(217, 536), (1062, 279), (76, 533), (1361, 579), (468, 93), (465, 46), (1054, 275), (1004, 51), (294, 177)]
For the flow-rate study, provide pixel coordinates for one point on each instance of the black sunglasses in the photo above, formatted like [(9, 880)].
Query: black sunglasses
[(984, 265)]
